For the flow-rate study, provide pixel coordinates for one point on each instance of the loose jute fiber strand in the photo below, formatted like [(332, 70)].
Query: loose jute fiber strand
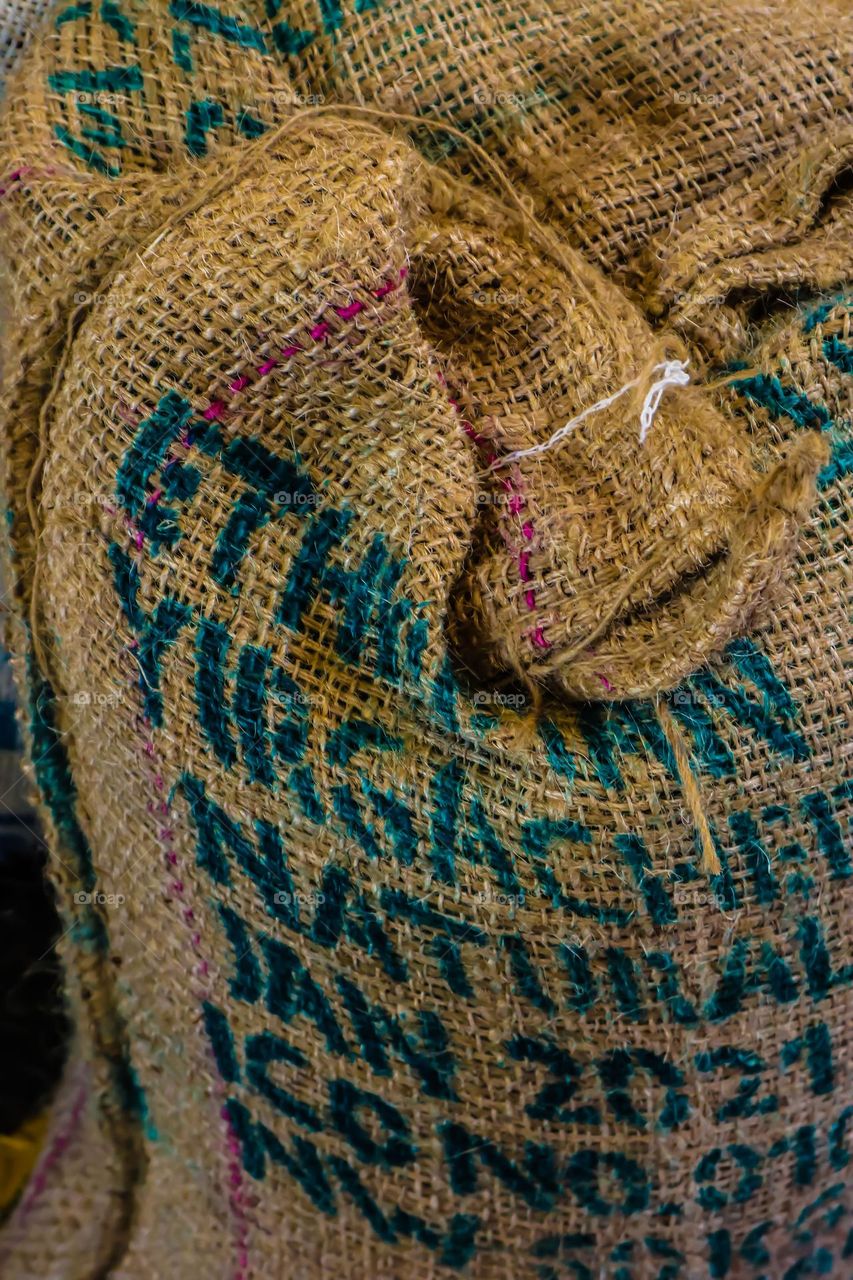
[(222, 182), (394, 917), (690, 787), (661, 369)]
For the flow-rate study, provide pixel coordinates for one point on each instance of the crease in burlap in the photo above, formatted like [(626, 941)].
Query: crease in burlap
[(416, 348)]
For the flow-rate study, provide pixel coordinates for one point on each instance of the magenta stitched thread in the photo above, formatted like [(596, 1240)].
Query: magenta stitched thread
[(235, 1177), (27, 171), (317, 333), (516, 503), (161, 808), (46, 1163), (58, 1146), (166, 834), (17, 177), (512, 486), (13, 177)]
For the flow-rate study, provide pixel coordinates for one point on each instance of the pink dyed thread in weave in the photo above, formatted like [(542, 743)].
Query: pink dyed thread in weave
[(516, 503), (318, 333), (160, 809), (59, 1144)]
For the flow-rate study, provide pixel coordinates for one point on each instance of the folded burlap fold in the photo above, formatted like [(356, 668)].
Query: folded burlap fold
[(787, 229), (407, 934), (611, 564)]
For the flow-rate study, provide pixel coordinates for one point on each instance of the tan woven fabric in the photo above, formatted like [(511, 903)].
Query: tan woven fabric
[(453, 850), (18, 22)]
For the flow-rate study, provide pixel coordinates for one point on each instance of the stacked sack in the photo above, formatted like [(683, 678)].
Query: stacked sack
[(452, 831)]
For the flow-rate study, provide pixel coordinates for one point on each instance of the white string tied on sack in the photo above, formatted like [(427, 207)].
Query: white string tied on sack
[(673, 373)]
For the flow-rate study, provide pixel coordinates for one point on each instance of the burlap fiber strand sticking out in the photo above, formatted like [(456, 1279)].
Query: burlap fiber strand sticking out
[(452, 855)]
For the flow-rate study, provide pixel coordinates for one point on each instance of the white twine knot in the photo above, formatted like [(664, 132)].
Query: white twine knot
[(673, 373)]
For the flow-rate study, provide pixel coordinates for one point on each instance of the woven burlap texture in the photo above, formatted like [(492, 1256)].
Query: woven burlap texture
[(390, 946)]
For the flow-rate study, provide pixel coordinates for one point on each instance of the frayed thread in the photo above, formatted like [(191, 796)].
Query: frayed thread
[(673, 373)]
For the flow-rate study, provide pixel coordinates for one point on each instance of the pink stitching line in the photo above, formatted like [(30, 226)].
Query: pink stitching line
[(166, 834), (517, 501), (59, 1145), (12, 178), (27, 171), (178, 887), (317, 333), (161, 809)]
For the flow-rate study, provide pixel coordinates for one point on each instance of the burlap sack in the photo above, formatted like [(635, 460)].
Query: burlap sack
[(389, 955), (17, 23)]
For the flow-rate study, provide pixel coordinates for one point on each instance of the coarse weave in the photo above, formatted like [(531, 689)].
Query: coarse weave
[(17, 23), (453, 848)]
